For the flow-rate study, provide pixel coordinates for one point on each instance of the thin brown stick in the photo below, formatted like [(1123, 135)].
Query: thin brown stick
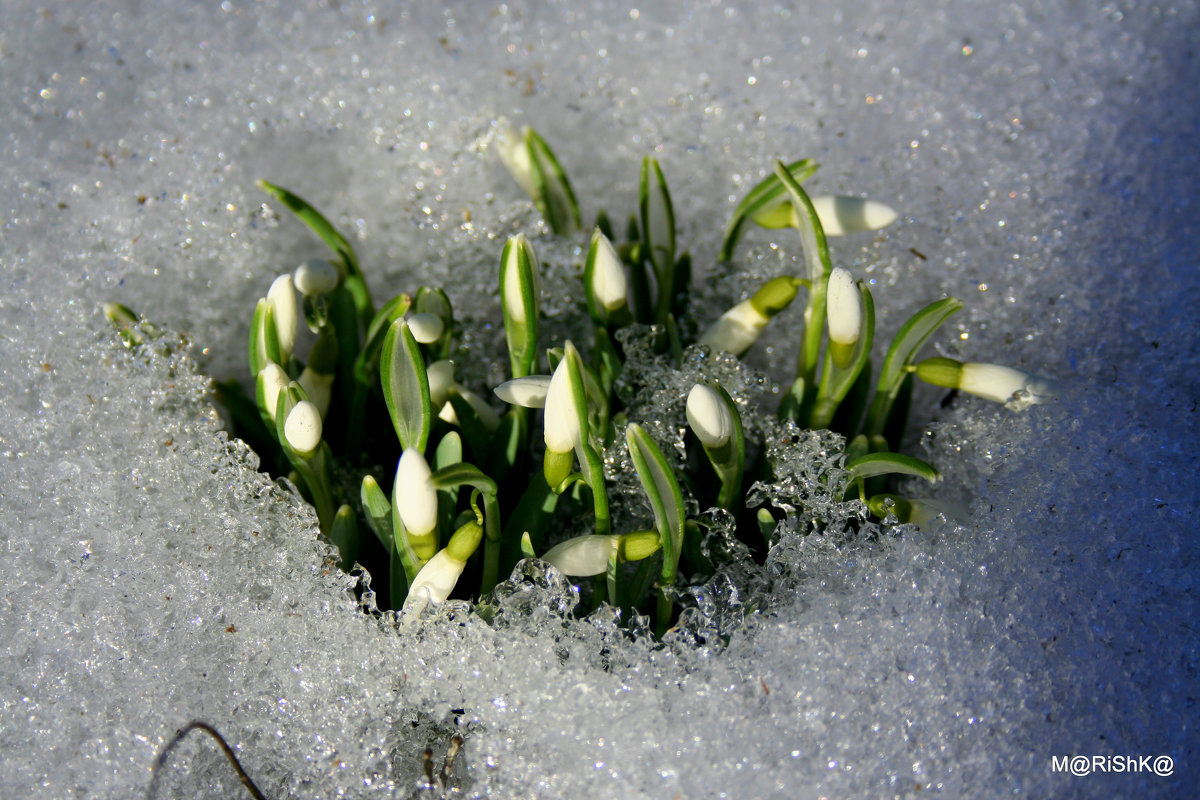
[(152, 791)]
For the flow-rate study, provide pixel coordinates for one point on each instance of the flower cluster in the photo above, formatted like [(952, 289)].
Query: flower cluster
[(474, 490)]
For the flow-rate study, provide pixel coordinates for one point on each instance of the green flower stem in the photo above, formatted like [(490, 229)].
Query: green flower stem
[(595, 481), (491, 544)]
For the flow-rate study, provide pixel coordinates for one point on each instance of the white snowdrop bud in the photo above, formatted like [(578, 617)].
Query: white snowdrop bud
[(583, 555), (282, 298), (273, 380), (737, 329), (562, 431), (416, 497), (609, 285), (316, 276), (426, 327), (1014, 387), (514, 152), (441, 380), (302, 428), (840, 214), (844, 313), (318, 387), (708, 416), (435, 581), (529, 392)]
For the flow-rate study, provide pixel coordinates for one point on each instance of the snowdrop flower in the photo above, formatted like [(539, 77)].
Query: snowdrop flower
[(487, 415), (436, 580), (1015, 388), (840, 214), (441, 381), (514, 152), (562, 432), (426, 327), (528, 392), (316, 276), (605, 274), (273, 380), (708, 416), (844, 306), (302, 428), (416, 497), (589, 554), (740, 326), (282, 299)]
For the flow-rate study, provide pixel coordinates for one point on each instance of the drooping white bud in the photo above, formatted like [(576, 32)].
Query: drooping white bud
[(441, 381), (282, 298), (514, 152), (562, 431), (840, 214), (708, 416), (583, 555), (737, 329), (273, 380), (609, 284), (316, 276), (318, 387), (416, 497), (529, 392), (302, 428), (844, 307), (435, 581), (486, 414), (1014, 387), (426, 327)]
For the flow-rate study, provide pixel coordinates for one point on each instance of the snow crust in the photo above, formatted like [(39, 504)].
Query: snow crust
[(1043, 159)]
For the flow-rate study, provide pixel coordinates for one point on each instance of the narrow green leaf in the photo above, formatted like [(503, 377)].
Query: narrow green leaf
[(812, 235), (555, 198), (355, 282), (665, 498), (901, 353), (344, 535), (377, 510), (872, 464), (406, 386), (463, 474), (766, 193), (658, 232), (366, 364)]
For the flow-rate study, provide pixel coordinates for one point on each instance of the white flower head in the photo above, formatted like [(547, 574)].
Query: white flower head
[(708, 416), (282, 299), (273, 380), (840, 214), (608, 282), (583, 555), (528, 392), (844, 306), (435, 581), (302, 428), (562, 431), (513, 146), (316, 276), (1014, 387), (416, 497), (426, 327), (441, 381), (737, 329)]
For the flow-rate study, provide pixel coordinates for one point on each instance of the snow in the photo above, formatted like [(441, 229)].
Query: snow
[(1042, 158)]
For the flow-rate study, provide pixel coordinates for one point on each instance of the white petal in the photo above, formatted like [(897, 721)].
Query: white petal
[(302, 428), (562, 421), (840, 214), (441, 378), (583, 555), (737, 329), (529, 392), (318, 387), (514, 152), (282, 297), (274, 379), (844, 306), (993, 381), (316, 276), (426, 327), (416, 497), (435, 581), (708, 416), (609, 284)]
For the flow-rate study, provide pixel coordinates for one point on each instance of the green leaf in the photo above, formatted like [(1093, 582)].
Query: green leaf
[(377, 510), (434, 300), (872, 464), (355, 282), (901, 353), (808, 224), (344, 535), (766, 193), (406, 386), (665, 498), (366, 365), (658, 233), (463, 474), (555, 198)]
